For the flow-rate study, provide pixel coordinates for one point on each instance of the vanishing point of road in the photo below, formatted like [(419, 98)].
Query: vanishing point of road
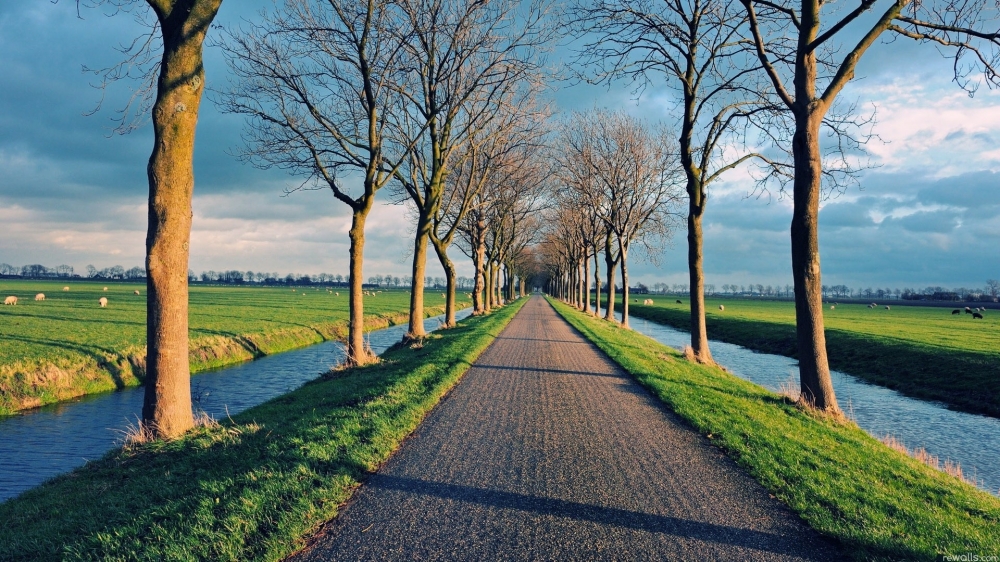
[(546, 450)]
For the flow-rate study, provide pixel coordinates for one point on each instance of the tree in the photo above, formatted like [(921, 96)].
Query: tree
[(630, 176), (464, 58), (319, 83), (992, 287), (793, 46)]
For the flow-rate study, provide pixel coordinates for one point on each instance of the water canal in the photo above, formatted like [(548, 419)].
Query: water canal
[(971, 440), (39, 444)]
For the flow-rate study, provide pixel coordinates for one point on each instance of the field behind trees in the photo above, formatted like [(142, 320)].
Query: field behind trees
[(68, 346), (925, 352)]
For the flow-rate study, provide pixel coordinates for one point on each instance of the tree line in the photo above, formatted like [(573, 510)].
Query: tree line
[(437, 103)]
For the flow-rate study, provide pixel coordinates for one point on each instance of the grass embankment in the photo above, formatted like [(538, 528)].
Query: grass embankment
[(923, 352), (879, 503), (67, 346), (251, 488)]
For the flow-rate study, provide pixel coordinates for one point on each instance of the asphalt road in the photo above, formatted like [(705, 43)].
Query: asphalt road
[(547, 451)]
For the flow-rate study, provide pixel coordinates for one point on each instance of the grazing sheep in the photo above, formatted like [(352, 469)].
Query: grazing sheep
[(336, 294), (647, 301), (443, 295), (65, 288), (103, 301), (956, 311), (11, 300), (833, 306), (104, 289), (721, 307), (977, 315), (635, 300), (679, 301), (887, 307), (136, 292), (968, 310), (40, 297)]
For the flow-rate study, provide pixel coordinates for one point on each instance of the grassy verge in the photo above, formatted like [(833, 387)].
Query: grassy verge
[(251, 488), (879, 503), (67, 346), (909, 351)]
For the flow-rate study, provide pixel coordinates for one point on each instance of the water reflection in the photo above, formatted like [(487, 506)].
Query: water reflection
[(42, 443)]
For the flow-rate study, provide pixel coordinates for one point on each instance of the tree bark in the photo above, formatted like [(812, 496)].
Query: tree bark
[(699, 332), (623, 258), (488, 288), (441, 250), (478, 260), (610, 261), (597, 283), (166, 408), (357, 354), (814, 368), (416, 327), (586, 283)]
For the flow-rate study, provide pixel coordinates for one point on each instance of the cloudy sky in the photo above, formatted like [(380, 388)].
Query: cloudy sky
[(928, 214)]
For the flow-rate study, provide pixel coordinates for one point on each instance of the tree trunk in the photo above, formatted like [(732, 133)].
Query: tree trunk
[(478, 260), (449, 273), (597, 284), (166, 408), (814, 369), (356, 352), (609, 260), (416, 327), (586, 283), (699, 333), (623, 258), (488, 288)]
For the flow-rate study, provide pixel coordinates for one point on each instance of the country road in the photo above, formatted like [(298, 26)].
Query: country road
[(547, 451)]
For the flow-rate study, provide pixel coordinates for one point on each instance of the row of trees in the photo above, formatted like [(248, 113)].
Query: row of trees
[(768, 72)]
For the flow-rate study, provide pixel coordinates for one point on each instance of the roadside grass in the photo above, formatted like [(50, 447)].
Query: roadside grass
[(877, 502), (253, 487), (923, 352), (67, 346)]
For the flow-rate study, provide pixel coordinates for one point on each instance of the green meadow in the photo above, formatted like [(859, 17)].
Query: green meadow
[(67, 345), (922, 351)]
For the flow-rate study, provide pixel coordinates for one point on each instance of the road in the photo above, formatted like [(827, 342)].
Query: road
[(547, 451)]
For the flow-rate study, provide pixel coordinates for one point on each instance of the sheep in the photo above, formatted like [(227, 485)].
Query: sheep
[(956, 311), (833, 306), (443, 295), (679, 301), (65, 288), (722, 307), (887, 307), (336, 294), (977, 315), (968, 310), (103, 301), (40, 297), (104, 289), (647, 301), (11, 300), (136, 292)]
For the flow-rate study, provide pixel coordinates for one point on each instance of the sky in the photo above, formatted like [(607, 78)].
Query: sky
[(926, 214)]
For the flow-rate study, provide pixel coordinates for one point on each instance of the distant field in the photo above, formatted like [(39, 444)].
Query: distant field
[(67, 345), (925, 352)]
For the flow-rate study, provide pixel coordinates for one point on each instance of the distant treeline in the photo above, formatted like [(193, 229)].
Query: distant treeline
[(230, 277), (990, 293)]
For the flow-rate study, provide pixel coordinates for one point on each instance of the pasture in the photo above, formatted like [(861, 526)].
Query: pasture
[(923, 351), (67, 345)]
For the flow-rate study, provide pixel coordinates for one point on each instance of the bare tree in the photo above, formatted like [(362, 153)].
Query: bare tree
[(698, 48), (633, 184), (317, 81), (463, 59), (794, 46), (167, 59)]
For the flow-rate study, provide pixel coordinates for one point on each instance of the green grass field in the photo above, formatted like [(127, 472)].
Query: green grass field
[(924, 352), (253, 487), (67, 345), (878, 503)]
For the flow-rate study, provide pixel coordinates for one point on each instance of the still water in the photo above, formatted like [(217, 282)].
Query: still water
[(969, 439), (48, 441)]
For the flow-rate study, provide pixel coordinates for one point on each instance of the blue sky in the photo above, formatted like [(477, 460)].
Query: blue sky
[(928, 214)]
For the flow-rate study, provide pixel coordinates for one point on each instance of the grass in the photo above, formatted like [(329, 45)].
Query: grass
[(68, 346), (923, 352), (877, 502), (250, 488)]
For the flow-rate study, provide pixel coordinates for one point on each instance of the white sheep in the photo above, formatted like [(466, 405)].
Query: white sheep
[(11, 300), (65, 288), (722, 307), (647, 301), (103, 301), (40, 297), (136, 292), (105, 289), (336, 294), (887, 307), (832, 306)]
